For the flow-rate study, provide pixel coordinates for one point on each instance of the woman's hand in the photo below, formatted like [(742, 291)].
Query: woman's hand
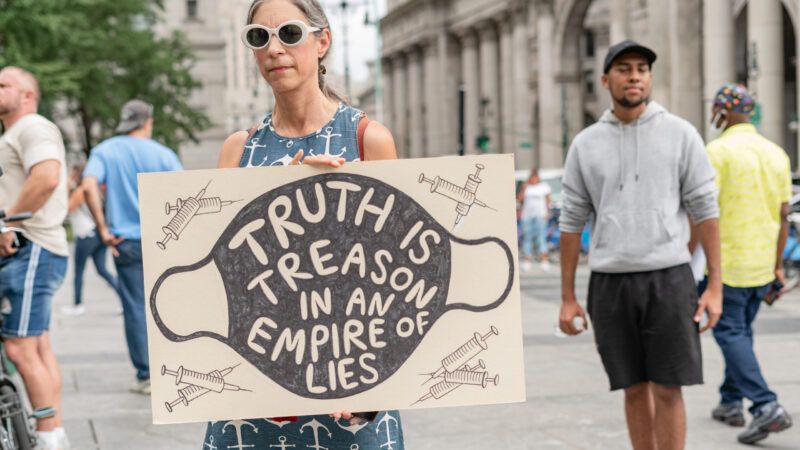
[(318, 160), (346, 415)]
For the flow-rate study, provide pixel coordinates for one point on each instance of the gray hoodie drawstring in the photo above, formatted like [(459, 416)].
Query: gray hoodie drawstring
[(621, 159), (637, 149)]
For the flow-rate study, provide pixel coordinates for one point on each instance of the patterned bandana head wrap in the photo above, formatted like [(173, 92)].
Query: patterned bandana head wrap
[(735, 98)]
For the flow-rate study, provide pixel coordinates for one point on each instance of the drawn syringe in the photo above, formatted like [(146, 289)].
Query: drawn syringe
[(464, 354), (198, 384), (465, 196), (445, 387), (186, 210)]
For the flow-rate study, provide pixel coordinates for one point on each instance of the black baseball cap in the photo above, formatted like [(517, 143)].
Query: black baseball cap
[(624, 47)]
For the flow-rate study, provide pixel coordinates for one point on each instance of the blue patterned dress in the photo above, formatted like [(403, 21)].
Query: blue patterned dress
[(338, 137)]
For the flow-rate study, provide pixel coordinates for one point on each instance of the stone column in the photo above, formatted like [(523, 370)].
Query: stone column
[(490, 92), (765, 46), (522, 104), (719, 66), (549, 111), (470, 80), (658, 38), (433, 100), (619, 28), (400, 98), (389, 90), (449, 65), (507, 129), (415, 118)]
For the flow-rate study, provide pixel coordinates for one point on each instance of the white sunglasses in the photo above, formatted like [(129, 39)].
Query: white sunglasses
[(290, 34)]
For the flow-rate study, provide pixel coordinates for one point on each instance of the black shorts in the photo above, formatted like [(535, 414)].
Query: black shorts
[(644, 326)]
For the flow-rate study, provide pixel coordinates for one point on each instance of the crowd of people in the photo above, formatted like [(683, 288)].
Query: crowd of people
[(652, 186)]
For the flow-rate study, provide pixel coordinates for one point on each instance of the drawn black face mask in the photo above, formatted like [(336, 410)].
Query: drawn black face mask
[(332, 282)]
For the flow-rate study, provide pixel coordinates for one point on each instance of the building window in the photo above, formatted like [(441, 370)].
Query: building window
[(589, 40), (191, 9), (588, 82)]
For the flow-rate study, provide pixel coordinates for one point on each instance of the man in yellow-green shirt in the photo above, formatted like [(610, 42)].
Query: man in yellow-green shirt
[(754, 180)]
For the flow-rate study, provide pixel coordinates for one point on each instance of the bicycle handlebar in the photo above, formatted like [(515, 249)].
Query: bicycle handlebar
[(15, 217)]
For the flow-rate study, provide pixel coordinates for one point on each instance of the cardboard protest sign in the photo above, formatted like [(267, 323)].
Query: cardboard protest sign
[(298, 290)]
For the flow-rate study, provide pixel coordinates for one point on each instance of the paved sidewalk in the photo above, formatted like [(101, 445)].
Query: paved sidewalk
[(568, 407)]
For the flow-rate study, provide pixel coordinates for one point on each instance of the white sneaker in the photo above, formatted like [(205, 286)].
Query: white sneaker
[(141, 387), (527, 266), (545, 265), (47, 440), (73, 310), (63, 441)]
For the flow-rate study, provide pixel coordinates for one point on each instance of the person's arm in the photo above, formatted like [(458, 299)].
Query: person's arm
[(570, 252), (783, 236), (76, 198), (549, 205), (42, 181), (232, 150), (575, 211), (711, 300), (95, 203), (378, 143), (521, 192)]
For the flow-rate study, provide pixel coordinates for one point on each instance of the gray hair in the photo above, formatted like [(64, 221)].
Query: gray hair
[(316, 18)]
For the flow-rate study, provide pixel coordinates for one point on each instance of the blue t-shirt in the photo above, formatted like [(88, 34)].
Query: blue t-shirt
[(115, 163)]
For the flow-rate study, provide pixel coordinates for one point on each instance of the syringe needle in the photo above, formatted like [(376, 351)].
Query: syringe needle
[(233, 387), (423, 398)]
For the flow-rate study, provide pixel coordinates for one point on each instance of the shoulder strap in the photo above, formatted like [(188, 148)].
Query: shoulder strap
[(362, 127), (250, 133)]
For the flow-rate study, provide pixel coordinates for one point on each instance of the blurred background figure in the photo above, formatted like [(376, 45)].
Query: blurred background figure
[(534, 195), (87, 242)]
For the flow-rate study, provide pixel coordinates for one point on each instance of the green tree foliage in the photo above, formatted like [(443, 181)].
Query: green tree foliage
[(94, 55)]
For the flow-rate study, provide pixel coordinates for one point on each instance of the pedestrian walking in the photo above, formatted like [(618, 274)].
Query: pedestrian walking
[(535, 198), (755, 187), (116, 162), (33, 264), (641, 170), (87, 243), (290, 39)]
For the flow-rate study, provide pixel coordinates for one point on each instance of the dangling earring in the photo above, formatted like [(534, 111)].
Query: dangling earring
[(322, 69)]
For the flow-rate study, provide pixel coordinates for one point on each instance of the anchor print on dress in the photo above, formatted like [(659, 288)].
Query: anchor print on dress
[(283, 445), (328, 137), (315, 426), (385, 420), (237, 425), (284, 161), (355, 428), (210, 444), (252, 146)]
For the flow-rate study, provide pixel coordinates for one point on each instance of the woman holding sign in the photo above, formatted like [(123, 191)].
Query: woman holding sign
[(311, 124)]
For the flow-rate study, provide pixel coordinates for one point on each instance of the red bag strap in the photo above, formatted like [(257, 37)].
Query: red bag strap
[(362, 127), (250, 133)]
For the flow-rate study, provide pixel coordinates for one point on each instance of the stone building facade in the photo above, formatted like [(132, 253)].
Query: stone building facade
[(233, 95), (527, 72)]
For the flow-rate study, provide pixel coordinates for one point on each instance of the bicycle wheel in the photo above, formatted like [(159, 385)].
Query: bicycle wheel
[(14, 432)]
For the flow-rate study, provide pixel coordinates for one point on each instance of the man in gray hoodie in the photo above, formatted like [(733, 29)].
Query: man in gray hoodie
[(643, 173)]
